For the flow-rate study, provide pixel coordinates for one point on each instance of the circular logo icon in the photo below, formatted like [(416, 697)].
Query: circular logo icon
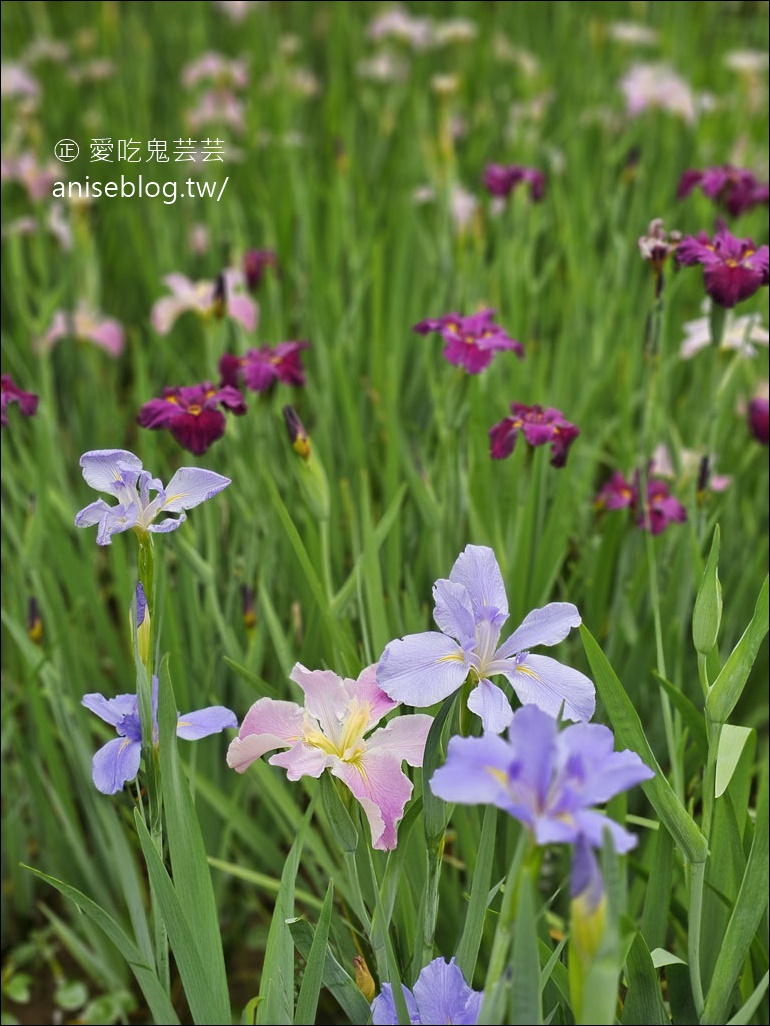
[(66, 150)]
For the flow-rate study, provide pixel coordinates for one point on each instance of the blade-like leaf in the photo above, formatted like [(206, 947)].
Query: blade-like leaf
[(307, 1002), (728, 687)]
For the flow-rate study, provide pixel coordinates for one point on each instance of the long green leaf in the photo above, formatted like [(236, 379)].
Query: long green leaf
[(526, 1006), (745, 1013), (629, 733), (335, 979), (307, 1002), (470, 941), (643, 1005), (160, 1006), (728, 687)]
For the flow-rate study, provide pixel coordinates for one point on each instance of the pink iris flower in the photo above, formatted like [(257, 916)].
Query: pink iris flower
[(204, 298), (87, 325), (329, 733)]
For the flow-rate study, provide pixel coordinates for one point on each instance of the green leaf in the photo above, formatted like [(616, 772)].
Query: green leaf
[(526, 1008), (643, 1005), (470, 941), (745, 1013), (435, 809), (157, 999), (728, 687), (745, 919), (343, 827), (339, 983), (307, 1002), (657, 897), (629, 734), (189, 864), (732, 741), (707, 614), (660, 958), (692, 717)]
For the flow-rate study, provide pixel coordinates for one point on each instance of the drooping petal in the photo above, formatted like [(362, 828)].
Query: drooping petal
[(168, 524), (103, 468), (165, 311), (544, 682), (115, 764), (475, 772), (404, 737), (366, 690), (491, 704), (243, 308), (326, 697), (476, 568), (592, 824), (111, 710), (384, 1007), (267, 725), (442, 995), (191, 486), (546, 626), (197, 432), (108, 334), (302, 760), (92, 514), (212, 720), (422, 669), (454, 612), (382, 788)]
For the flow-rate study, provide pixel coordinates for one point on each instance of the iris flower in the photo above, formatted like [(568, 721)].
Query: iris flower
[(191, 414), (549, 780), (539, 427), (471, 609), (440, 995), (261, 368), (328, 733), (501, 179), (733, 269), (11, 393), (119, 473), (470, 342), (733, 188), (206, 299), (117, 762)]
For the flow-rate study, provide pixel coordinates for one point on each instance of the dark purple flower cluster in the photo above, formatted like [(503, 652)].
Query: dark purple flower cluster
[(733, 189), (661, 506), (191, 414), (758, 419), (539, 426), (501, 179)]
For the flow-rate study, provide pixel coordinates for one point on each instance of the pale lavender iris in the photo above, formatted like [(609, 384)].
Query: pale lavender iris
[(119, 473), (117, 762), (471, 609), (440, 995), (549, 780), (328, 733)]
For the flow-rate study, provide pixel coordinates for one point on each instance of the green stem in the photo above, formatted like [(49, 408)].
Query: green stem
[(433, 860), (502, 939), (697, 880), (359, 905)]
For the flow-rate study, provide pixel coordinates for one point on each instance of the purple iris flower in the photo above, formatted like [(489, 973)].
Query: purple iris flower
[(11, 393), (255, 262), (439, 995), (191, 414), (471, 342), (119, 473), (662, 508), (117, 762), (471, 609), (262, 368), (733, 269), (733, 188), (501, 179), (758, 419), (549, 780), (539, 427)]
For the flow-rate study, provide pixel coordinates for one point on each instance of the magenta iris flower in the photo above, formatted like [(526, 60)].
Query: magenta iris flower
[(119, 473), (117, 762), (758, 419), (329, 733), (471, 610), (191, 414), (255, 263), (440, 995), (539, 427), (733, 269), (662, 507), (11, 393), (549, 780), (734, 189), (501, 179), (470, 342), (262, 368)]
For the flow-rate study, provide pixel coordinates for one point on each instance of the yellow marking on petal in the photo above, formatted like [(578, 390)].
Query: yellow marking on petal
[(500, 775), (529, 673), (456, 657)]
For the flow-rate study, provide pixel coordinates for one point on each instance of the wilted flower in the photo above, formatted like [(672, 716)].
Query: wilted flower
[(119, 473), (328, 733), (202, 297), (658, 245), (86, 325), (758, 419), (658, 86), (471, 342), (662, 507), (117, 762), (732, 188), (255, 262), (733, 269), (549, 780), (11, 393), (739, 334), (440, 995), (262, 368), (539, 427), (191, 414), (501, 179), (471, 609)]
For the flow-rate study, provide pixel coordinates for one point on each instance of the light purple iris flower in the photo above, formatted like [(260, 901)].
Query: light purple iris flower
[(117, 762), (471, 609), (118, 472), (549, 780), (440, 995), (328, 733)]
